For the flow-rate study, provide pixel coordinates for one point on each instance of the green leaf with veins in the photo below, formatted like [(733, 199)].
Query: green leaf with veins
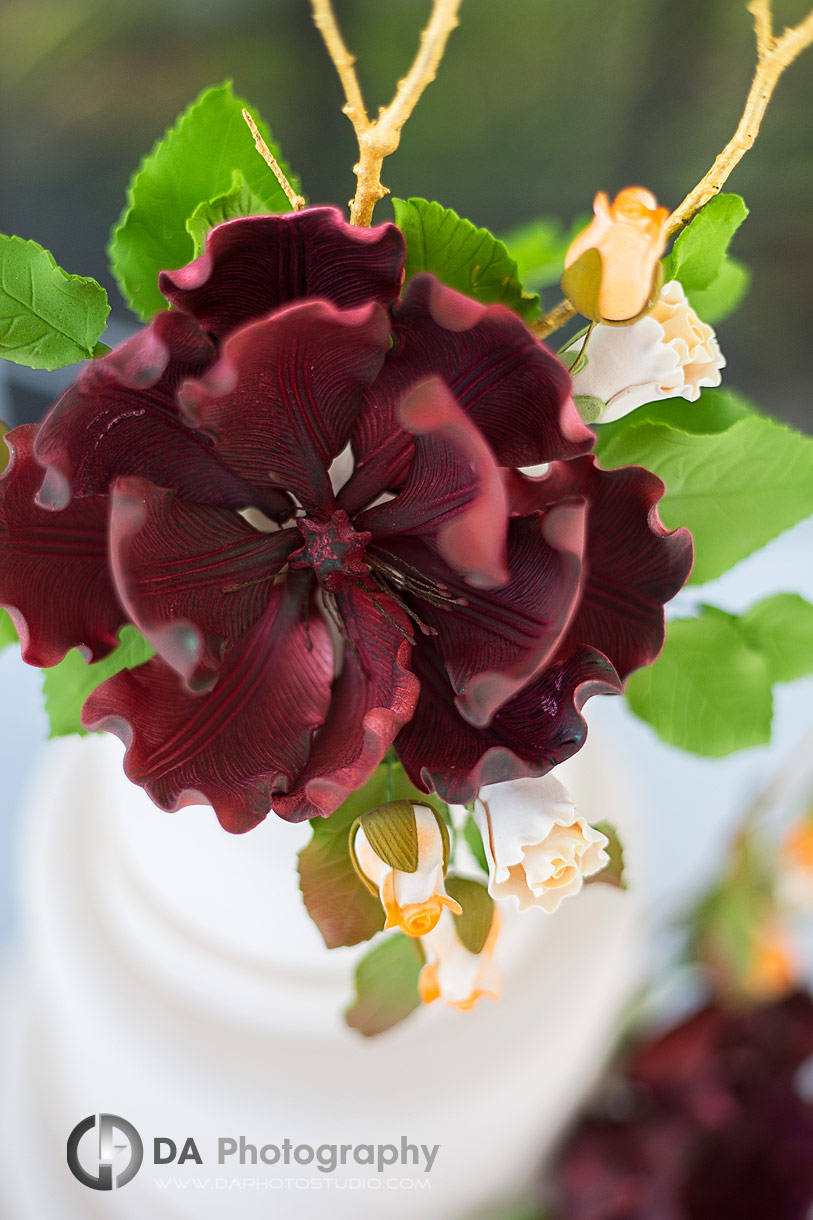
[(539, 248), (724, 294), (238, 201), (781, 629), (193, 164), (735, 488), (47, 318), (470, 260), (67, 685), (386, 985), (710, 690), (714, 283)]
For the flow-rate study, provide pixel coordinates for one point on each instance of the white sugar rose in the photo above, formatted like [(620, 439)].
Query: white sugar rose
[(669, 353), (539, 850)]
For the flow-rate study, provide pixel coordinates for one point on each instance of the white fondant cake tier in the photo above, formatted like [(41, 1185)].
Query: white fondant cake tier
[(169, 974)]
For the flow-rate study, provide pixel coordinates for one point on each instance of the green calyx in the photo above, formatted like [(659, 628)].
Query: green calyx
[(590, 407), (474, 925), (392, 832)]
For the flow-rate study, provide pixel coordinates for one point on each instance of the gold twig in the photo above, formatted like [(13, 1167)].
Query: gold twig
[(553, 319), (344, 63), (774, 55), (380, 137), (296, 201), (763, 25)]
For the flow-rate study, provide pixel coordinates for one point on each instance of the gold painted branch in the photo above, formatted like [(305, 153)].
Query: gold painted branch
[(774, 55), (296, 201), (380, 137)]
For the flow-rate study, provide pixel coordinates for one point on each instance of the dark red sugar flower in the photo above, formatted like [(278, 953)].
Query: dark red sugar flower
[(437, 599), (707, 1122)]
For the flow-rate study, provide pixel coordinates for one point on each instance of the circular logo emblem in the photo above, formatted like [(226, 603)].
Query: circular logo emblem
[(100, 1175)]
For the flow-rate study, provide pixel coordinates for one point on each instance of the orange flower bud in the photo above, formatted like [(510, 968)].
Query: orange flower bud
[(773, 969), (795, 885), (612, 268), (406, 866)]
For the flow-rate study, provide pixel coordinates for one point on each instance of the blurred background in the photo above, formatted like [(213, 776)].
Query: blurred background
[(539, 103)]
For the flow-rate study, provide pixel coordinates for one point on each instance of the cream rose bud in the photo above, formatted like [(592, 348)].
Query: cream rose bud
[(452, 972), (668, 354), (538, 849), (617, 256), (405, 834)]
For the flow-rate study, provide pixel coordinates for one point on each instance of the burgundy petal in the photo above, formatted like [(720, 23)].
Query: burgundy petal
[(242, 743), (493, 642), (193, 579), (515, 390), (537, 729), (453, 492), (253, 265), (634, 564), (53, 565), (373, 697), (281, 403), (119, 417)]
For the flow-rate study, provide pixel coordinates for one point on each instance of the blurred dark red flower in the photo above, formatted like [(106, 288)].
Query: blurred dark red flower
[(437, 598), (706, 1123)]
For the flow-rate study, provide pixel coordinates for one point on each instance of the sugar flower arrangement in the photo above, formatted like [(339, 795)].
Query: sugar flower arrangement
[(339, 536)]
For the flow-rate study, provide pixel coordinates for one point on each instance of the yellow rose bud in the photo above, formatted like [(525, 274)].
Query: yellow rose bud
[(612, 269), (399, 851), (773, 969)]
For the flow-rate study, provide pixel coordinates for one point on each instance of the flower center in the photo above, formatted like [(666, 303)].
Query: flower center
[(333, 549)]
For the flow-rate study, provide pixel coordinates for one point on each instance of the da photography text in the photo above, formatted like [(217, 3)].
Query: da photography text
[(98, 1144)]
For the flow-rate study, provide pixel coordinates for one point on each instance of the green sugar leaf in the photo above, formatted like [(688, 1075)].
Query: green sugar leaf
[(193, 164), (613, 872), (47, 318), (781, 629), (700, 250), (7, 633), (714, 283), (67, 685), (735, 488), (708, 692), (336, 898), (239, 200), (724, 294), (463, 257), (539, 248), (386, 985), (471, 833), (474, 924)]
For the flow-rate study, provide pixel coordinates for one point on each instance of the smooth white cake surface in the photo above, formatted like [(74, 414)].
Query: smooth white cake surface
[(168, 973)]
